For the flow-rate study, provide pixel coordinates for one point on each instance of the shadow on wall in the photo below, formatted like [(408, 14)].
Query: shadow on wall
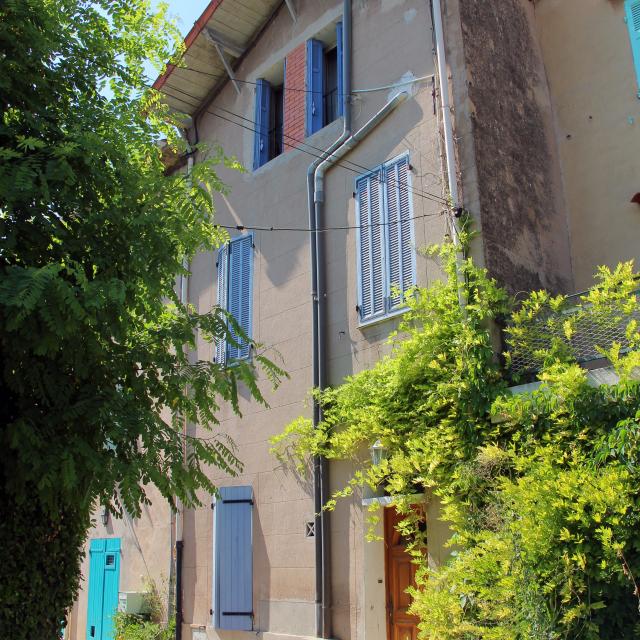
[(191, 564), (303, 478), (382, 144), (346, 525), (261, 576)]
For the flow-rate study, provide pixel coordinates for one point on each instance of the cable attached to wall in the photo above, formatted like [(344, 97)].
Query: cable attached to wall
[(358, 170)]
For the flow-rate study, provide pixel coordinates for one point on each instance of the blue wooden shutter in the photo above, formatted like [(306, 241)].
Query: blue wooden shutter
[(104, 580), (223, 259), (370, 245), (111, 586), (314, 115), (262, 119), (240, 292), (233, 604), (401, 258), (340, 111), (632, 8), (96, 581)]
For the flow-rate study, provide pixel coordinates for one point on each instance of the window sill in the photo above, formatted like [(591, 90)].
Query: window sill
[(335, 125), (396, 313), (329, 126), (235, 362), (269, 163), (386, 501)]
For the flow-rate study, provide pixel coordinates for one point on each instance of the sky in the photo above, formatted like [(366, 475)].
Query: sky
[(187, 12)]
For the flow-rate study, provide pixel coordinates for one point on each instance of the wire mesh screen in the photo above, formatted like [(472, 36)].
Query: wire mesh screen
[(575, 329)]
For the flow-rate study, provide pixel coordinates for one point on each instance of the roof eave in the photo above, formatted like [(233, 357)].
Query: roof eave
[(194, 32)]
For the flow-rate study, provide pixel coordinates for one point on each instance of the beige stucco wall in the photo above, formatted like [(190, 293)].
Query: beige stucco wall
[(373, 622), (589, 65), (547, 148), (275, 195), (144, 558), (581, 91), (284, 575)]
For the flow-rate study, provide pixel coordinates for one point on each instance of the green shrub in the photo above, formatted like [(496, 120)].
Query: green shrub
[(540, 490), (131, 627), (151, 625)]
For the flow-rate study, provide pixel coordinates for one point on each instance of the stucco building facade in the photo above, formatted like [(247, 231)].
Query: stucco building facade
[(544, 109), (546, 105)]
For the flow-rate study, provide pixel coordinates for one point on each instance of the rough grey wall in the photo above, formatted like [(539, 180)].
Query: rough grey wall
[(522, 212)]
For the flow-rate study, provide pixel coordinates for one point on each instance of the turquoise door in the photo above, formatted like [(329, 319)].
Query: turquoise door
[(104, 578)]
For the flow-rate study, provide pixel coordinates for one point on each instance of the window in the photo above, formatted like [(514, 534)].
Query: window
[(269, 119), (232, 596), (235, 284), (632, 8), (385, 243), (276, 132), (324, 101), (330, 98)]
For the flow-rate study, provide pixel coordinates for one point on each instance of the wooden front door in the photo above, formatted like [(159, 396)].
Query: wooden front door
[(400, 574)]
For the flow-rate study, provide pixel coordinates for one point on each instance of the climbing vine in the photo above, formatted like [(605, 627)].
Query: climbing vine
[(540, 489)]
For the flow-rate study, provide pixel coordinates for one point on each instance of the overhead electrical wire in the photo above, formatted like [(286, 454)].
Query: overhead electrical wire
[(386, 87), (395, 85), (242, 227), (360, 168), (388, 180), (302, 142)]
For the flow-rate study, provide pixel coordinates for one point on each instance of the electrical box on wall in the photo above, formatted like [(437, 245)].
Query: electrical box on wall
[(133, 602)]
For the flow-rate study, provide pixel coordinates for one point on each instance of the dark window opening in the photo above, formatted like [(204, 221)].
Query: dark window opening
[(331, 85), (276, 125), (110, 560)]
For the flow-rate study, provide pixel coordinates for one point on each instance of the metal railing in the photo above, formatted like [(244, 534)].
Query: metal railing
[(276, 141), (330, 105), (576, 329)]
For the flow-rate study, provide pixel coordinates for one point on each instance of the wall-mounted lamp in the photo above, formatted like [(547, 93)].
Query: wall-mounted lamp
[(104, 515), (378, 452)]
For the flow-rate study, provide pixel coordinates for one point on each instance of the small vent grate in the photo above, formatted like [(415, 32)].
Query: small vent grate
[(310, 529), (635, 15)]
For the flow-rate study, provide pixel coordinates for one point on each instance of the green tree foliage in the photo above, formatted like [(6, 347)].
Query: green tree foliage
[(540, 489), (93, 235)]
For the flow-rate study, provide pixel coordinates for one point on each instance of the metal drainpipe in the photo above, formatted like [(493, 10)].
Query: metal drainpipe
[(179, 546), (322, 491), (320, 467), (184, 298), (452, 175), (179, 518), (348, 145)]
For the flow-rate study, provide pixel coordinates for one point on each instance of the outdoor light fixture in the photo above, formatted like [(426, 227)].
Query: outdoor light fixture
[(104, 515), (378, 452)]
